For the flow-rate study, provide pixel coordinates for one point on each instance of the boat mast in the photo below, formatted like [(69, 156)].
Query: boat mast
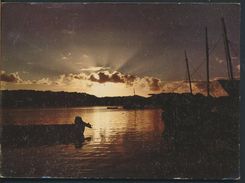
[(189, 77), (207, 58), (227, 50)]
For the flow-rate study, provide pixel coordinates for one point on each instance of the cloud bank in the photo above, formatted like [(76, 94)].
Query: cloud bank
[(12, 77), (82, 82)]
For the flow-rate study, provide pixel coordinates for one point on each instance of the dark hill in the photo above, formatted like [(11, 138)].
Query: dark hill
[(32, 98)]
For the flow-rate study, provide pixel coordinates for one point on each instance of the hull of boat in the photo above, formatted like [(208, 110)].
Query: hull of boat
[(15, 135)]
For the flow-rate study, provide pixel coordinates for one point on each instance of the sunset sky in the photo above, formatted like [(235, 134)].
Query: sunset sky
[(110, 49)]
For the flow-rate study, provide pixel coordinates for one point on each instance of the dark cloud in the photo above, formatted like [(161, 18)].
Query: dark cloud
[(129, 79), (12, 77), (16, 79), (154, 84), (115, 77)]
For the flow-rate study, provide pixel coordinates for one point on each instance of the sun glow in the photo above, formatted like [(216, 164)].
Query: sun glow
[(110, 89)]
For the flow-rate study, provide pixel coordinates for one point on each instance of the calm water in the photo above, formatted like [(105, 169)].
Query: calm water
[(122, 144)]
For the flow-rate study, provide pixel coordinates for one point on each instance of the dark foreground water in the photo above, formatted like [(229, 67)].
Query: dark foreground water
[(122, 144)]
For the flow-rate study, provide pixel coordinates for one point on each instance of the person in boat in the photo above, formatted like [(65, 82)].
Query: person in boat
[(80, 126)]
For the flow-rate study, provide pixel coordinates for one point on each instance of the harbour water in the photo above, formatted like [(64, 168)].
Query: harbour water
[(121, 144)]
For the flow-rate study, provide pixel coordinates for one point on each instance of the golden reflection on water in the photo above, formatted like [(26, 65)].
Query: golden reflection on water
[(124, 144), (120, 141), (109, 125)]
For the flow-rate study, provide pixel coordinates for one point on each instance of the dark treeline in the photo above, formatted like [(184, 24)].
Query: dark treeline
[(31, 98)]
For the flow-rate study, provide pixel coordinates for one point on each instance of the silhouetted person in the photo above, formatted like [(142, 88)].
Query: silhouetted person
[(80, 126)]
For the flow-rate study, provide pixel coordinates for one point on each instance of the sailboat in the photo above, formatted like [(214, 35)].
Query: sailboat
[(231, 86), (204, 115)]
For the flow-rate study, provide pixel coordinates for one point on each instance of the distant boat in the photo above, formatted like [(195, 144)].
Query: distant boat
[(112, 107)]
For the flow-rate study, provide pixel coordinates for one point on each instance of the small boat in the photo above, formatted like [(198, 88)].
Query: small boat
[(36, 135), (112, 107)]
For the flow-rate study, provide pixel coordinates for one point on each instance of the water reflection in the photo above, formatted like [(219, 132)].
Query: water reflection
[(110, 126), (107, 124), (79, 142), (120, 142)]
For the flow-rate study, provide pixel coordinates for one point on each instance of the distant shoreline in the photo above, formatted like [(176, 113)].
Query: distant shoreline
[(47, 99)]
